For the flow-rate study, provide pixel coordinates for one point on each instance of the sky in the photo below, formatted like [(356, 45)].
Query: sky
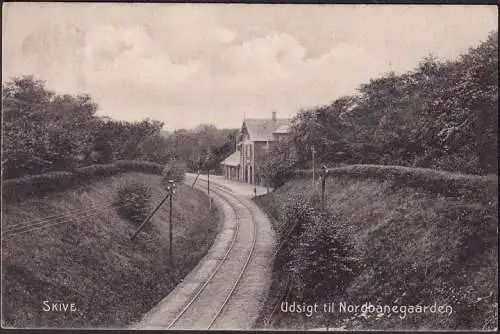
[(186, 64)]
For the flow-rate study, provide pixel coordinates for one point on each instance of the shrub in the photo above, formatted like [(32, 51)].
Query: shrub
[(174, 170), (279, 165), (279, 175), (132, 202), (139, 166), (319, 253)]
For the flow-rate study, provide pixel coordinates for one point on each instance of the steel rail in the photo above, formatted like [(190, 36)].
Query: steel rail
[(226, 254), (247, 262)]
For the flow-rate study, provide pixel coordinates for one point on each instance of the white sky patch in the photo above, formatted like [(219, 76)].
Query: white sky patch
[(186, 64)]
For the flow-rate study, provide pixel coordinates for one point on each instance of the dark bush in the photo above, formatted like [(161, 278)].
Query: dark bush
[(281, 174), (132, 202), (279, 165), (319, 253)]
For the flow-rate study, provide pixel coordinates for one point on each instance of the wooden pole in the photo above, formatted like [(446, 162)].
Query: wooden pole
[(314, 169), (196, 178), (323, 186), (208, 189), (150, 215), (171, 258)]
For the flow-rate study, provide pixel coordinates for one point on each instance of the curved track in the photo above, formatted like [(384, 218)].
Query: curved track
[(228, 287), (229, 270)]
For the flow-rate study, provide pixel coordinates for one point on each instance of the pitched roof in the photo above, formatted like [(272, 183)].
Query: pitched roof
[(262, 129), (285, 128), (232, 160)]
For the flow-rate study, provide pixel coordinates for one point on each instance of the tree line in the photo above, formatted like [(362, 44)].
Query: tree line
[(441, 115), (44, 131)]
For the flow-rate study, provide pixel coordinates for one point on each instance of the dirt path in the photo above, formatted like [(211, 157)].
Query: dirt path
[(230, 284)]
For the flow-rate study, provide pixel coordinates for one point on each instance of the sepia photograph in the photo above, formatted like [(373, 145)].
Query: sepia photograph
[(257, 167)]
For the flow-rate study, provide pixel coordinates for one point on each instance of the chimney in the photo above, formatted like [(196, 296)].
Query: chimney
[(274, 115)]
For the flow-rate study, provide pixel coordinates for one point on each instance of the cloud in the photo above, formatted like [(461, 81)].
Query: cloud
[(191, 63), (118, 57)]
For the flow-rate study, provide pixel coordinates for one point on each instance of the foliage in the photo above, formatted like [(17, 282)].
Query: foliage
[(319, 253), (132, 201), (202, 147), (174, 170), (44, 131), (441, 115), (279, 164), (320, 129), (443, 247)]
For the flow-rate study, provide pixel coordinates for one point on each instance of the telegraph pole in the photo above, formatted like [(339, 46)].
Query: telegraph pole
[(208, 189), (323, 186), (207, 161), (170, 194), (171, 186), (314, 167)]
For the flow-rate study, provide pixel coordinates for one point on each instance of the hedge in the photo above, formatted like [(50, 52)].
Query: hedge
[(431, 180), (37, 185), (96, 171)]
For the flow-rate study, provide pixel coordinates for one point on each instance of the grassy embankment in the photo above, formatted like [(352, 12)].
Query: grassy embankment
[(421, 237), (89, 260)]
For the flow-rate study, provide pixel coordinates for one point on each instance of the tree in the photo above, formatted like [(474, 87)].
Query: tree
[(279, 164), (440, 115), (42, 131), (45, 131)]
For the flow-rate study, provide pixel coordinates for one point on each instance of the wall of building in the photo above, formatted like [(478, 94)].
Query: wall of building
[(252, 158), (246, 160)]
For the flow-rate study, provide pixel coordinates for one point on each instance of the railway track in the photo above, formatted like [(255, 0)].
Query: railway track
[(206, 308)]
